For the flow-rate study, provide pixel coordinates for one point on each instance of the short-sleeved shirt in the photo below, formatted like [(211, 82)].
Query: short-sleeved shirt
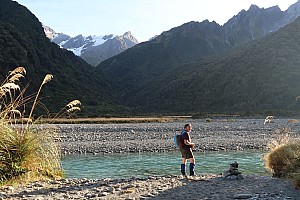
[(186, 136)]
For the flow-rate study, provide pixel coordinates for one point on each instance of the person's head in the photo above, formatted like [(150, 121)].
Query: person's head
[(188, 127)]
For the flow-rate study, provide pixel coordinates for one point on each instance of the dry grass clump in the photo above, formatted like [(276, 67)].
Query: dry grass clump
[(292, 121), (269, 119), (26, 153), (283, 160)]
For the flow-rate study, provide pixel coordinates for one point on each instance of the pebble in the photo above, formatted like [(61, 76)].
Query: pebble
[(242, 196), (90, 195), (10, 188), (103, 194)]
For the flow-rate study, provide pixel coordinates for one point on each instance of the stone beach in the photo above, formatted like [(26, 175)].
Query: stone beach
[(168, 187), (220, 134)]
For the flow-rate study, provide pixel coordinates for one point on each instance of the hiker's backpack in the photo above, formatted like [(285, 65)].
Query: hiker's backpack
[(177, 140)]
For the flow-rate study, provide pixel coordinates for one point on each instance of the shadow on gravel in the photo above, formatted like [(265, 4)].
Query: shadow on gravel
[(252, 187)]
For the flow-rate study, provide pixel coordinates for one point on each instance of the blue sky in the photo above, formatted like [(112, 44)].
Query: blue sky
[(144, 18)]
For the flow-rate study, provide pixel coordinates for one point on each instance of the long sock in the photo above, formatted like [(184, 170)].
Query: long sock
[(192, 169), (183, 169)]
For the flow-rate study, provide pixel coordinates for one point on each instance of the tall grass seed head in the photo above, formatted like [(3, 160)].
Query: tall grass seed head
[(47, 78), (18, 70), (73, 103)]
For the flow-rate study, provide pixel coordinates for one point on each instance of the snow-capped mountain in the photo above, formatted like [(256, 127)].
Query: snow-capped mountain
[(50, 33), (93, 49)]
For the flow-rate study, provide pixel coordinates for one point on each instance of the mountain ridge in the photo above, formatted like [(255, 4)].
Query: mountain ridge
[(93, 49), (139, 69), (261, 77)]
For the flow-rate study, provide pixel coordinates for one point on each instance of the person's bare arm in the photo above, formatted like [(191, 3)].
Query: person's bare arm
[(186, 142)]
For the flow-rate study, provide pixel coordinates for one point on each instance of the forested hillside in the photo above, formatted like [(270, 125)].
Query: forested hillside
[(261, 76), (23, 43)]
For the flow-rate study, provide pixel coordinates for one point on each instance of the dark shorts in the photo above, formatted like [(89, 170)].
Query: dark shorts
[(187, 153)]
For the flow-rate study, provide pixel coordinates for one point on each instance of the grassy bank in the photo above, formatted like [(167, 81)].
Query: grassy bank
[(113, 120)]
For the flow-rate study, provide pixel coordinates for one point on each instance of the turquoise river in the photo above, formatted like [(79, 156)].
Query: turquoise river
[(157, 164)]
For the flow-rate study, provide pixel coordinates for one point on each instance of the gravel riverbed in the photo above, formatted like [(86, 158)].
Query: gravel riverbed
[(167, 187), (233, 134)]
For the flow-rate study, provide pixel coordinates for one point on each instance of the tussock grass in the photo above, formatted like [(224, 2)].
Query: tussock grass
[(283, 160), (26, 153)]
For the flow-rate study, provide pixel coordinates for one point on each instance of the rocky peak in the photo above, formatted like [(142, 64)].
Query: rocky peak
[(197, 27), (254, 8), (130, 37), (106, 37), (273, 9), (75, 42), (49, 32), (295, 5), (60, 38), (89, 37), (252, 24), (293, 11)]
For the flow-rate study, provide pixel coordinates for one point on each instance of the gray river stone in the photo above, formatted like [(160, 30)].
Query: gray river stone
[(242, 196)]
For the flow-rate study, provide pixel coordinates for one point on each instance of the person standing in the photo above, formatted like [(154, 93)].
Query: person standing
[(186, 150)]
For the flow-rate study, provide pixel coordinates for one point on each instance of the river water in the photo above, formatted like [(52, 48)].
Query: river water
[(157, 164)]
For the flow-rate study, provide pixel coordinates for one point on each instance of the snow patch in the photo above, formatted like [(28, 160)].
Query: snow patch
[(98, 40), (76, 51), (63, 42)]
